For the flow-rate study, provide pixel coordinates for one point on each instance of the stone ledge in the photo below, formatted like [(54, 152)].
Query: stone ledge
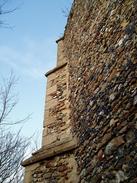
[(51, 151), (54, 144), (55, 69), (61, 38)]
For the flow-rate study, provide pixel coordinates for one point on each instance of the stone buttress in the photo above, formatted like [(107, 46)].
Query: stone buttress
[(54, 161)]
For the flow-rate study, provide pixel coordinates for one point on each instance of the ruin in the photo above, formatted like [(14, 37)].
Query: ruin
[(90, 121)]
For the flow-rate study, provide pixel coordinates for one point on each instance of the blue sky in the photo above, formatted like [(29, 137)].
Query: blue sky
[(29, 49)]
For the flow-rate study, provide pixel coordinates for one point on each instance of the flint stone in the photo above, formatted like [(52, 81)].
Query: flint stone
[(113, 145)]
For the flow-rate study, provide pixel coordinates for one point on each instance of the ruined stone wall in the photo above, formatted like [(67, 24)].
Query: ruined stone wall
[(101, 46)]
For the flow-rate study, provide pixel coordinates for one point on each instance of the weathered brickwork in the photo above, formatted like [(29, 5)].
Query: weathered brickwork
[(101, 46)]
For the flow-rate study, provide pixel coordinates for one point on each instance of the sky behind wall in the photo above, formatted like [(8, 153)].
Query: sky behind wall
[(28, 48)]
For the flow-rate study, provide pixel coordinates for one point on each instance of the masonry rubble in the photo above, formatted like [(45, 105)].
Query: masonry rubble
[(90, 123)]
